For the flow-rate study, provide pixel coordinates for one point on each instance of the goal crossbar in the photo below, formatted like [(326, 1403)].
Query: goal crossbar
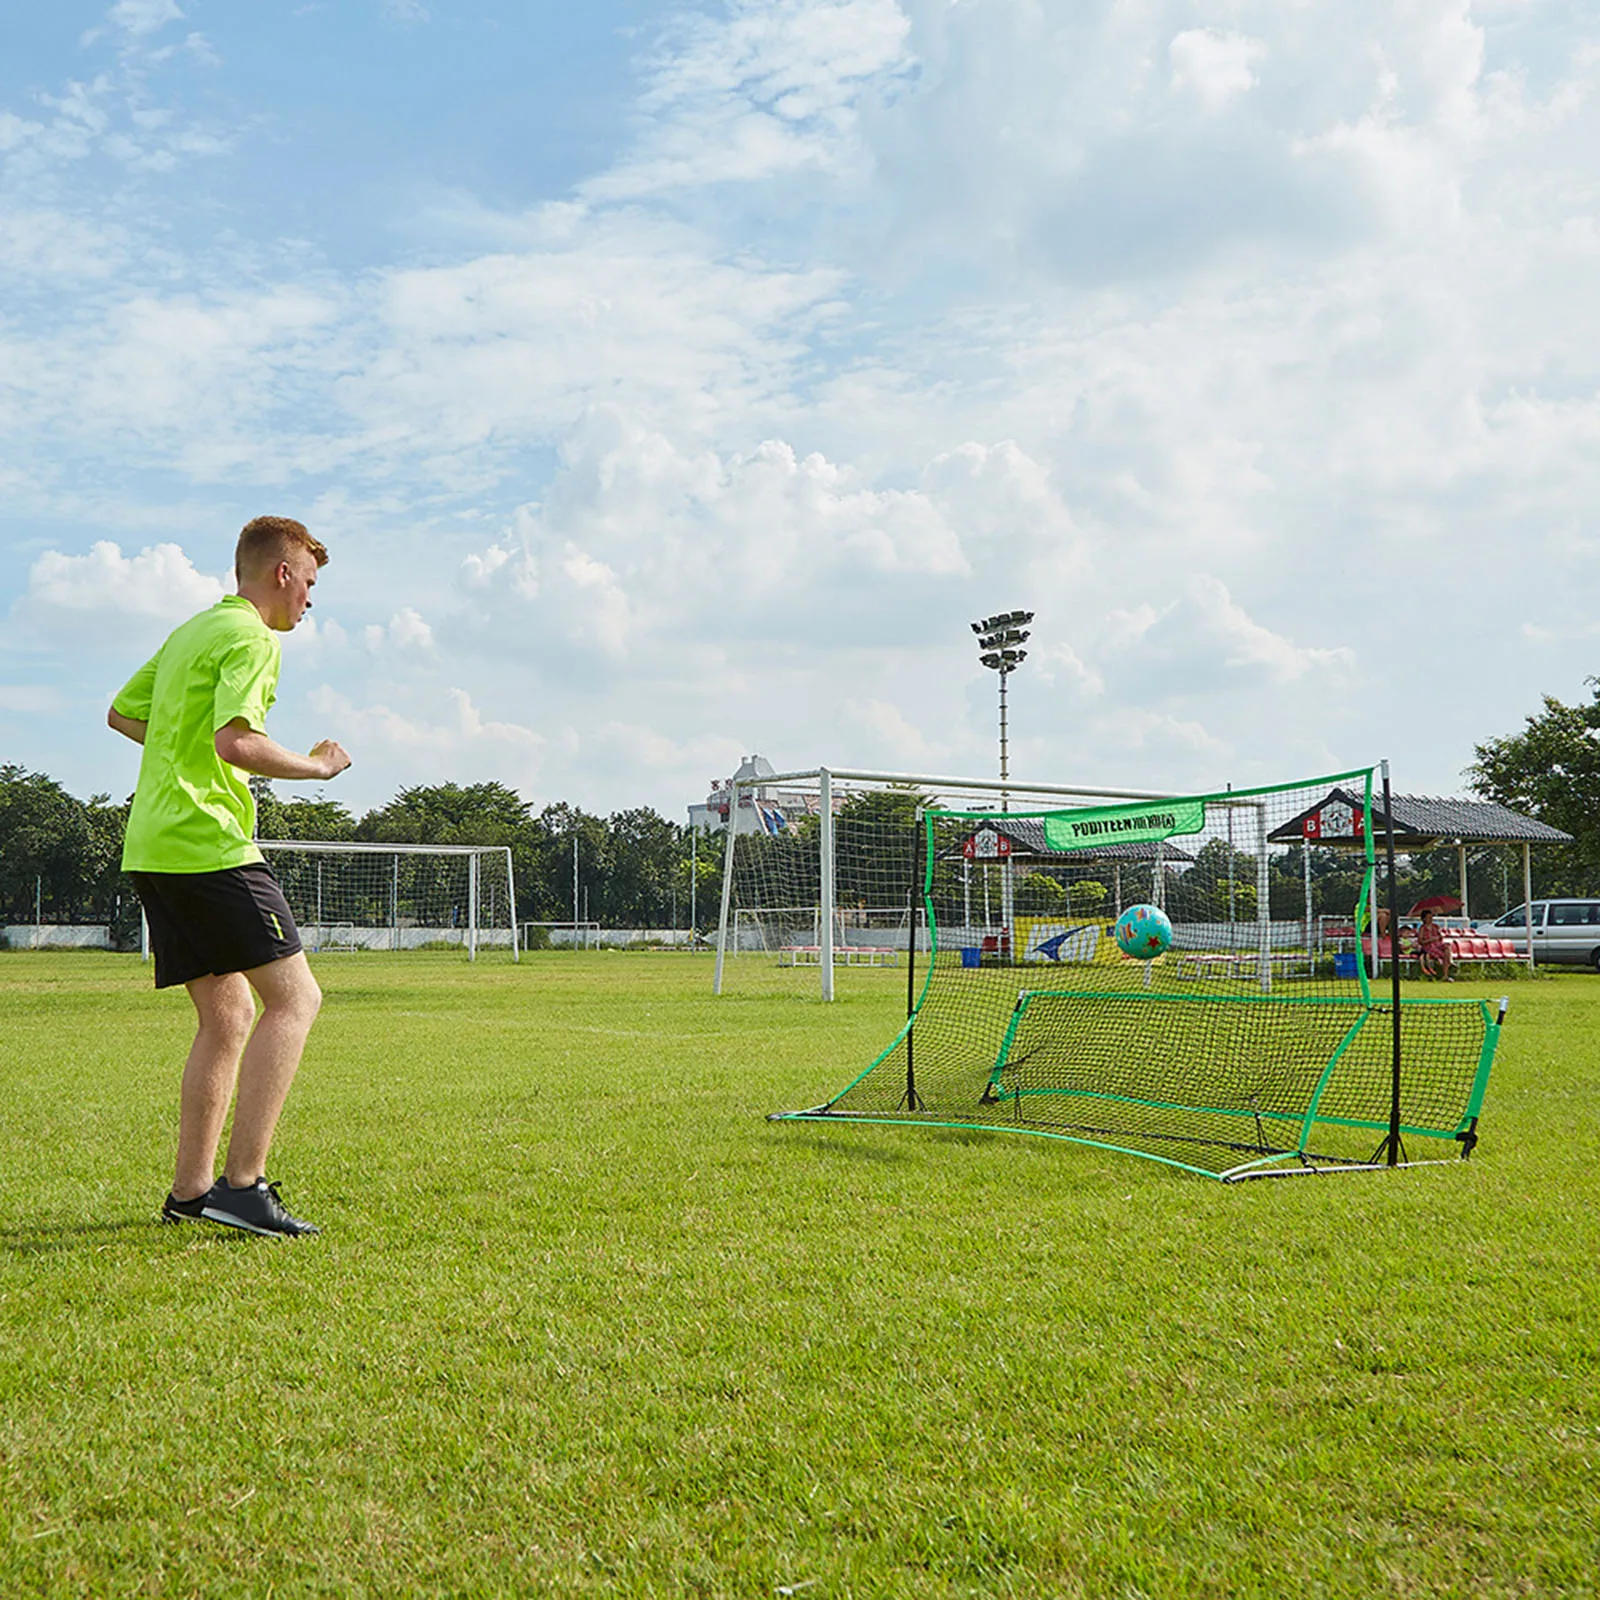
[(474, 904)]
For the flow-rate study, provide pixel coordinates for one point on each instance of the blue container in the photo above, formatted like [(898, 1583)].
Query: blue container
[(1344, 963), (971, 956)]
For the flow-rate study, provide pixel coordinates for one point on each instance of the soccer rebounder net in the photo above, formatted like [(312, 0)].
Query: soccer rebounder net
[(1269, 1038)]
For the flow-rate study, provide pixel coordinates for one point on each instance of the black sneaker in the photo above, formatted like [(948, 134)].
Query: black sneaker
[(256, 1209), (175, 1210)]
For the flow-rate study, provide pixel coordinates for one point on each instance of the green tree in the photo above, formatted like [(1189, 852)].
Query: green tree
[(561, 844), (51, 854), (299, 818), (448, 813), (1088, 895), (641, 856), (1040, 895), (1551, 771)]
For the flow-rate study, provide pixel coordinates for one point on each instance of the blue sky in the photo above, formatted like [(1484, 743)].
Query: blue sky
[(675, 382)]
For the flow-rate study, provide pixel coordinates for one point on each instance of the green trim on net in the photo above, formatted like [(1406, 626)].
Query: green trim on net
[(1480, 1084), (1369, 895), (1000, 1127), (1220, 794), (1327, 1074), (1200, 997)]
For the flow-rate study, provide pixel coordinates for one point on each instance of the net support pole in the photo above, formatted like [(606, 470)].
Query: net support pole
[(727, 886), (472, 908), (1461, 875), (826, 882), (1263, 902), (913, 893), (1527, 898), (1305, 872), (1393, 1140)]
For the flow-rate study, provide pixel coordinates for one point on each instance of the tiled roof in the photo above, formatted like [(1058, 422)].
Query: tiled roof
[(1474, 821), (1420, 820)]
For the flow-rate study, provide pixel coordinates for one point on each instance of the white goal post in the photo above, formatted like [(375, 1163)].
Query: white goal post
[(357, 896), (817, 864)]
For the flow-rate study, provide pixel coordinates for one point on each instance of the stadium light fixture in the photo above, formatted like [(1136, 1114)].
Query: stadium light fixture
[(1000, 641)]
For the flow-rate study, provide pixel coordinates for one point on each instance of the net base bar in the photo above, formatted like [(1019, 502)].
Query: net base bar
[(1268, 1165)]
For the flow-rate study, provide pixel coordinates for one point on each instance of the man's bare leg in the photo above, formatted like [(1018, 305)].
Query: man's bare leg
[(290, 998), (226, 1012)]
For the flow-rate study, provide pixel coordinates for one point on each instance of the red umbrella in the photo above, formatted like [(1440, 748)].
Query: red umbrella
[(1435, 902)]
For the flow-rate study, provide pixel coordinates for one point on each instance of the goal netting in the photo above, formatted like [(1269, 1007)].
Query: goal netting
[(1264, 1041), (353, 897)]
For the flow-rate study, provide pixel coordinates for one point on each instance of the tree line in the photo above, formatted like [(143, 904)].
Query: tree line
[(59, 856)]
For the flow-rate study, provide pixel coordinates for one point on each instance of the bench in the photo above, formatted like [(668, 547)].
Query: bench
[(1465, 949), (844, 955), (1244, 964)]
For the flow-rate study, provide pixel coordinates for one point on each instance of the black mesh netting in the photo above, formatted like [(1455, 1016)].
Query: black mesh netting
[(1262, 1040)]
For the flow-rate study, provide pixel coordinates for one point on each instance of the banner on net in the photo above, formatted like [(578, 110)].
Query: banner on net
[(1144, 823)]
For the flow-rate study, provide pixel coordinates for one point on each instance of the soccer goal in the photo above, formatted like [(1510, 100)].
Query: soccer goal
[(352, 897), (817, 874), (1254, 1046)]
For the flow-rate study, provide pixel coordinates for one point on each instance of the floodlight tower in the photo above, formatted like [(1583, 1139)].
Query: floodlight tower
[(1000, 640)]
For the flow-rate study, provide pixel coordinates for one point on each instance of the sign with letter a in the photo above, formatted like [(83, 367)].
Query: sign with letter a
[(987, 844)]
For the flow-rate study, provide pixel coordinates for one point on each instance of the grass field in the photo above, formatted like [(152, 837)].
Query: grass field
[(582, 1322)]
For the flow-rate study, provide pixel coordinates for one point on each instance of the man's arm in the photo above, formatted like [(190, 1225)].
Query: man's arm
[(128, 727), (241, 746)]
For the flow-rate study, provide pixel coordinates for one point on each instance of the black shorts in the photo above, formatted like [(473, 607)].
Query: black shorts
[(204, 924)]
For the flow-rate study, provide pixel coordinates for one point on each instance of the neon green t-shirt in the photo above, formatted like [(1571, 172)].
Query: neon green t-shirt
[(192, 812)]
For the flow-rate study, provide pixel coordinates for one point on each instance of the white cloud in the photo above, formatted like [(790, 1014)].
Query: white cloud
[(1214, 65), (1061, 663), (449, 733), (1245, 643), (639, 542), (905, 747), (405, 633), (1203, 640), (765, 91), (142, 17), (14, 131), (160, 581), (1175, 326), (50, 245), (408, 12), (29, 698)]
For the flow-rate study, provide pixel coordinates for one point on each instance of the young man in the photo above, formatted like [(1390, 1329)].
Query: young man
[(219, 924)]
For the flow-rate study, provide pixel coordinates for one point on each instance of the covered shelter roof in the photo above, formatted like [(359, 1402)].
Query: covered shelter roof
[(1421, 822)]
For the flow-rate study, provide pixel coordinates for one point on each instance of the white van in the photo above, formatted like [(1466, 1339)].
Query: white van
[(1565, 932)]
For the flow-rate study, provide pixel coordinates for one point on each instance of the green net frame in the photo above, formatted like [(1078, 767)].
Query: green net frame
[(1248, 1050)]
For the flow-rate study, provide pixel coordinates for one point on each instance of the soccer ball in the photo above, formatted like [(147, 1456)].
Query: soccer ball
[(1142, 932)]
